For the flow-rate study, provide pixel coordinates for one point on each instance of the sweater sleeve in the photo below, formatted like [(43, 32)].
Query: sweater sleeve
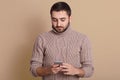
[(37, 56), (86, 58)]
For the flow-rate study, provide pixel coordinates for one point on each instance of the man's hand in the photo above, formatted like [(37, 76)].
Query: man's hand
[(68, 69), (55, 68)]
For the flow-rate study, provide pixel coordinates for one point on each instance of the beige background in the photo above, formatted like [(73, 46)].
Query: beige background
[(22, 20)]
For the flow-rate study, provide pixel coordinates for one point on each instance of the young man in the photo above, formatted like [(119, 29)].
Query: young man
[(61, 54)]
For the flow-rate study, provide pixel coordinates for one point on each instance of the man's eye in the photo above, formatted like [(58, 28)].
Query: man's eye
[(55, 20), (62, 20)]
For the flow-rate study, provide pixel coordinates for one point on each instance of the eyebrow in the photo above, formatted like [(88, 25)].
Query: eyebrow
[(63, 18), (59, 18)]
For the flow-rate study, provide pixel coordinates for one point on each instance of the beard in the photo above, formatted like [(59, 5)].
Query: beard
[(58, 31)]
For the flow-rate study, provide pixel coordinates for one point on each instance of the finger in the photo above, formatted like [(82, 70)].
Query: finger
[(65, 64), (57, 69), (55, 65), (63, 67), (64, 70), (66, 73)]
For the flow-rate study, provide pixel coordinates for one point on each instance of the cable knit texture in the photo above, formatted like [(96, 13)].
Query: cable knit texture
[(70, 47)]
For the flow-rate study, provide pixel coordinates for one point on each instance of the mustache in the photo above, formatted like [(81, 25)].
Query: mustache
[(59, 27)]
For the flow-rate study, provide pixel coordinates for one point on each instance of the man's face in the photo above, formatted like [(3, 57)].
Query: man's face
[(60, 21)]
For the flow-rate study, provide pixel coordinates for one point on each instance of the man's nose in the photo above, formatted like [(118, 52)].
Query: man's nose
[(58, 23)]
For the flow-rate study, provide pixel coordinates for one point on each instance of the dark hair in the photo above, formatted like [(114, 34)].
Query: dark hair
[(59, 6)]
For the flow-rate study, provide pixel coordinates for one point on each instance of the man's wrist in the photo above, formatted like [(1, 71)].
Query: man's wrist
[(79, 72)]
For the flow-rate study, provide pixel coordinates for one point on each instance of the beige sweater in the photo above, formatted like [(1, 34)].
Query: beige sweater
[(69, 47)]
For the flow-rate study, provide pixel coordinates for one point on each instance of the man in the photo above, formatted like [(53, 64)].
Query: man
[(62, 53)]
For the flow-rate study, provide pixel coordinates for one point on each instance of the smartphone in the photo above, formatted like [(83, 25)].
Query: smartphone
[(58, 62)]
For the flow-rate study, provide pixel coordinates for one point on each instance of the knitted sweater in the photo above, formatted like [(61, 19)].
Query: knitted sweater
[(70, 47)]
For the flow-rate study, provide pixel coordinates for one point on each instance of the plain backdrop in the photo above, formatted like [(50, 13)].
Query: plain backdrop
[(22, 20)]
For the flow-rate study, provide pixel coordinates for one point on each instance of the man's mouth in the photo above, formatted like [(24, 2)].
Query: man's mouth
[(59, 26)]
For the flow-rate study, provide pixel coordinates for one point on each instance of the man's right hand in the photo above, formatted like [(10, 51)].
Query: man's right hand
[(55, 68)]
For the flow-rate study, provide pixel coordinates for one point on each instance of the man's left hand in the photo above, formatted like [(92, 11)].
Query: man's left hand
[(68, 69)]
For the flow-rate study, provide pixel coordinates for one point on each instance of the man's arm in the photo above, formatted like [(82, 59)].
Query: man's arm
[(43, 71), (68, 69), (37, 57), (86, 57), (86, 69)]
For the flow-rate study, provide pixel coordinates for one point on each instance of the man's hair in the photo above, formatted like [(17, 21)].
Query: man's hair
[(61, 6)]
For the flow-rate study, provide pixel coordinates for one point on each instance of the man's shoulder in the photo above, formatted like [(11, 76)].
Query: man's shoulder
[(44, 34), (79, 34)]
